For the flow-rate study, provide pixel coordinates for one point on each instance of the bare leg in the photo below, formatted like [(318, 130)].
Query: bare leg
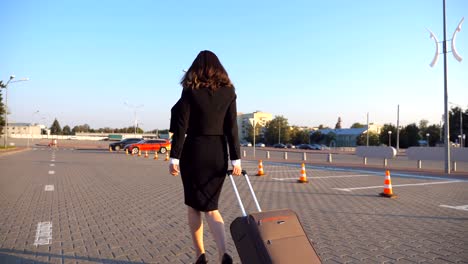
[(196, 230), (216, 224)]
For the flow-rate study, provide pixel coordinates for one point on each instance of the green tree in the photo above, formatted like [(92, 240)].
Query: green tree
[(385, 137), (358, 125), (55, 129), (338, 124), (250, 133), (409, 136), (299, 136), (316, 137), (66, 130), (81, 129), (454, 123), (373, 139), (2, 111), (277, 130), (423, 125), (434, 134)]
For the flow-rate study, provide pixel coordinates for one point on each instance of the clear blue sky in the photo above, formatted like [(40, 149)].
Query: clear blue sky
[(309, 61)]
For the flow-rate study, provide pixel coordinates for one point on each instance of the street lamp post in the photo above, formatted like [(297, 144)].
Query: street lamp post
[(279, 134), (427, 138), (389, 138), (253, 123), (5, 86), (434, 61), (135, 115)]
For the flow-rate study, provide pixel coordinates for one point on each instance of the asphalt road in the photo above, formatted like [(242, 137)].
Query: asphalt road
[(91, 206)]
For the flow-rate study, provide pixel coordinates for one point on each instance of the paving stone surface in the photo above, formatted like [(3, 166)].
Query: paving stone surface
[(113, 208)]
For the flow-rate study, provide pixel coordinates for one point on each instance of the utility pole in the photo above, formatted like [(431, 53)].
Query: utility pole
[(434, 61)]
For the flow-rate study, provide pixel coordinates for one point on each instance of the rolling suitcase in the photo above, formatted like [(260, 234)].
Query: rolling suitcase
[(271, 237)]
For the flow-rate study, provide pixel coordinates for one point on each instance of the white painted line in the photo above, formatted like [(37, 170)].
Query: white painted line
[(398, 174), (398, 185), (460, 207), (49, 188), (326, 177), (285, 179), (52, 160), (43, 234), (275, 171), (51, 172), (52, 165)]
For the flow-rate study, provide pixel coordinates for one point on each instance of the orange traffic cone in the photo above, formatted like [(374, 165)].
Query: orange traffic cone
[(303, 178), (167, 156), (155, 155), (126, 151), (146, 154), (388, 192), (139, 153), (260, 169), (110, 149)]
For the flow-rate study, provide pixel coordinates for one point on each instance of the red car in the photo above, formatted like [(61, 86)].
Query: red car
[(159, 145)]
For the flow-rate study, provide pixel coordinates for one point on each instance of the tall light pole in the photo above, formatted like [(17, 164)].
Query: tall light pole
[(367, 136), (398, 130), (434, 61), (5, 86), (427, 138), (279, 134), (135, 114), (389, 138)]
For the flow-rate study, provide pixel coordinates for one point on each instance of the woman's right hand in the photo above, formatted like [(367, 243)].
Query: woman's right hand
[(237, 170), (174, 169)]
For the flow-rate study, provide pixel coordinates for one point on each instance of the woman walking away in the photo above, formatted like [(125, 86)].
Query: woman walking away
[(207, 113)]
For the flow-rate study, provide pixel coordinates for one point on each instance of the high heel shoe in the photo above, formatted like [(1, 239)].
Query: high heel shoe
[(201, 259), (226, 259)]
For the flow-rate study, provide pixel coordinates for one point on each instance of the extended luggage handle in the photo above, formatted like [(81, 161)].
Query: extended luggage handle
[(244, 213)]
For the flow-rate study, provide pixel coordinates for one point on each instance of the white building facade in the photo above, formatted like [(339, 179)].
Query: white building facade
[(246, 121)]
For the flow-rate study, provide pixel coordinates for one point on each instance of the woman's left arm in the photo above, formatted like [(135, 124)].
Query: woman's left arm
[(231, 131)]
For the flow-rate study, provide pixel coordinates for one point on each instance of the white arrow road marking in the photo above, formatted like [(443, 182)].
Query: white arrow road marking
[(460, 207), (398, 185), (43, 234)]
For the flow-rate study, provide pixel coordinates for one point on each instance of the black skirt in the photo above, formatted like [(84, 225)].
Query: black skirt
[(203, 166)]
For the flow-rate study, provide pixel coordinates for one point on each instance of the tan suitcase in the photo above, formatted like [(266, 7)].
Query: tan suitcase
[(271, 237)]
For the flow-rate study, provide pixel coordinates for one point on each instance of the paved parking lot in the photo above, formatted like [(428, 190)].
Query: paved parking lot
[(92, 206)]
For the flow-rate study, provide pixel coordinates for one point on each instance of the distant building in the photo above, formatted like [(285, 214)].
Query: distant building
[(374, 128), (347, 137), (245, 121), (20, 129)]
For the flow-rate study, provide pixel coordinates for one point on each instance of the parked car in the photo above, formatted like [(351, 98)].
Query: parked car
[(246, 144), (325, 147), (304, 146), (279, 145), (261, 145), (159, 145), (291, 146), (121, 144), (316, 146)]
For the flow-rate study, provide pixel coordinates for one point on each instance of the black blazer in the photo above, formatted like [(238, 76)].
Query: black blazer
[(204, 112)]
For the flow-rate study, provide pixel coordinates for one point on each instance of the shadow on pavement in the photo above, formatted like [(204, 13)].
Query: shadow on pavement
[(14, 256)]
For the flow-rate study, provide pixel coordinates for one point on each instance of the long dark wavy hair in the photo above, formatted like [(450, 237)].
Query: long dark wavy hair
[(206, 72)]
